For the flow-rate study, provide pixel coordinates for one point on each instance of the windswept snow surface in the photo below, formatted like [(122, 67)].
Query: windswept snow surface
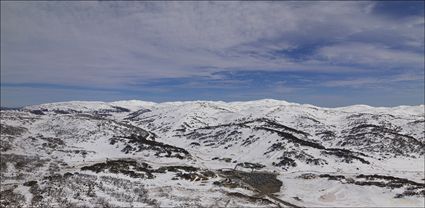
[(137, 153)]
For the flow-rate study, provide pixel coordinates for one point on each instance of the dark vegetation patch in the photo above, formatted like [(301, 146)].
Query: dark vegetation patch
[(316, 161), (52, 142), (137, 113), (225, 159), (346, 155), (216, 138), (63, 112), (252, 166), (275, 147), (138, 143), (183, 129), (408, 193), (289, 156), (99, 113), (362, 136), (286, 133), (381, 138), (274, 124), (294, 139), (248, 141), (47, 145), (327, 135), (412, 188), (285, 162), (195, 144), (417, 122), (81, 152), (142, 170), (185, 126), (196, 176), (115, 109), (307, 176), (253, 199), (30, 183), (332, 177), (222, 134), (395, 182), (37, 112), (11, 130), (121, 109), (57, 111), (6, 143), (268, 122), (81, 190), (127, 167), (265, 182), (11, 199), (24, 165), (164, 169), (188, 173)]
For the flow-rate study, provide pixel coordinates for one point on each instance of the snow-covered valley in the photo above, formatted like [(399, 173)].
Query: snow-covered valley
[(211, 154)]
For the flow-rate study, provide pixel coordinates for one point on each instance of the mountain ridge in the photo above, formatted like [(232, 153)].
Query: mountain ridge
[(256, 153), (223, 102)]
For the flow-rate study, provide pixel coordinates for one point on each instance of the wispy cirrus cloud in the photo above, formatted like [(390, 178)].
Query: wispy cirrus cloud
[(370, 55), (128, 45), (374, 82)]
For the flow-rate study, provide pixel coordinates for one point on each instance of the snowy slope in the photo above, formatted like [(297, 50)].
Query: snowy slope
[(174, 153)]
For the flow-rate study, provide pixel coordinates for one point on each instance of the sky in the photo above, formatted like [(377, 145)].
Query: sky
[(322, 53)]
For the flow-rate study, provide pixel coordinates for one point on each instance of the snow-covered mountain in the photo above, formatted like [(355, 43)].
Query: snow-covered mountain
[(203, 153)]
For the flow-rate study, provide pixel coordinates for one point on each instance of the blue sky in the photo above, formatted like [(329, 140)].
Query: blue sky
[(322, 53)]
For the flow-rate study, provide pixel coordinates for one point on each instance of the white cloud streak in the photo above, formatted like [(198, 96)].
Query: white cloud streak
[(369, 54), (373, 82), (122, 43)]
